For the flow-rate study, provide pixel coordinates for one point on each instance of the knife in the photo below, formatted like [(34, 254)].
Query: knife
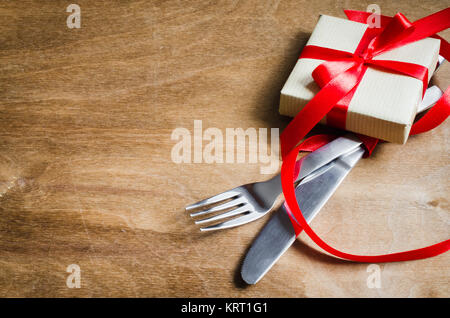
[(278, 234), (312, 193)]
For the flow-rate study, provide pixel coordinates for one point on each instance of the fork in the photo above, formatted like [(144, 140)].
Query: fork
[(252, 201)]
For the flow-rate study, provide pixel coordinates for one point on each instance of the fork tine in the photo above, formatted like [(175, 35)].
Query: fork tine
[(234, 212), (214, 199), (246, 218), (226, 205)]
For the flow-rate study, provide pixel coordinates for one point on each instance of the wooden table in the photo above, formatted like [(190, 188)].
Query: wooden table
[(87, 176)]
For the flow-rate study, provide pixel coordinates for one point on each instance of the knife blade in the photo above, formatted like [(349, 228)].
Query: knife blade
[(312, 193)]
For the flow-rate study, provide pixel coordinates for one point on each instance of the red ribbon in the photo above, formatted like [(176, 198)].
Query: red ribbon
[(338, 78)]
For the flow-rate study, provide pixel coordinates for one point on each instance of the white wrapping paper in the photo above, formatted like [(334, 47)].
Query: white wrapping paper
[(384, 104)]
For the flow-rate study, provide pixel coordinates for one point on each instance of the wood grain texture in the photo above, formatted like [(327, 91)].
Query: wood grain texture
[(86, 175)]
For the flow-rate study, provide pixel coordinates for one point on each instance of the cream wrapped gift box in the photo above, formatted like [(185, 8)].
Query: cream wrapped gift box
[(384, 104)]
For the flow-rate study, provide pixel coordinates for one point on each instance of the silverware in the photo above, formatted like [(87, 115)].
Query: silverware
[(252, 201), (249, 202), (312, 194)]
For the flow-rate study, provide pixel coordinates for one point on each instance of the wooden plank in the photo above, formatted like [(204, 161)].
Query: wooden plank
[(87, 177)]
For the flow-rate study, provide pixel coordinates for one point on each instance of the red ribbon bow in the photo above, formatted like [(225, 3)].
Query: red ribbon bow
[(338, 78)]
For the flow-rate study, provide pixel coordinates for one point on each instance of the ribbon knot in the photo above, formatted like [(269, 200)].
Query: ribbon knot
[(364, 58)]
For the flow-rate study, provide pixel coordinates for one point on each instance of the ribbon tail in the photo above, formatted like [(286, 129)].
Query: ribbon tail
[(429, 26), (363, 17)]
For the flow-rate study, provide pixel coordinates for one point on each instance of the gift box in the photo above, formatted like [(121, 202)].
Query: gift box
[(384, 104)]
